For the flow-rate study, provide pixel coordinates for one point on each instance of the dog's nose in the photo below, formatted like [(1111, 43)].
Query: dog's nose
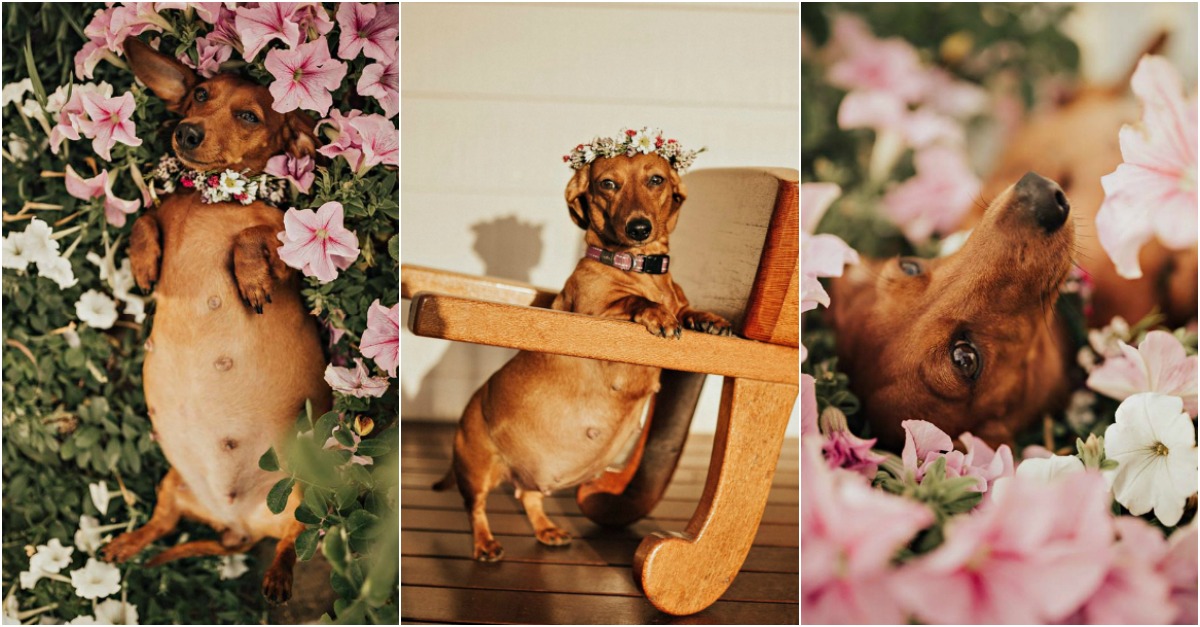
[(1045, 199), (188, 136), (639, 229)]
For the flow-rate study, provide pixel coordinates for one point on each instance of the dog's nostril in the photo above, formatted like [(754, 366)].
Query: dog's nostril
[(189, 135), (1045, 200), (638, 229)]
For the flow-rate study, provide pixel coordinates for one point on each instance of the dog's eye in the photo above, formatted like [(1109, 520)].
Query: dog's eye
[(965, 358), (608, 184), (201, 94), (656, 180), (247, 116), (910, 267)]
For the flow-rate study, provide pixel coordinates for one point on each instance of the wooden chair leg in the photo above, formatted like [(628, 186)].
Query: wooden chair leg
[(620, 498), (685, 573)]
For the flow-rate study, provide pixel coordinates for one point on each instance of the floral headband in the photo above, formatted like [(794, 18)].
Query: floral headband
[(630, 143)]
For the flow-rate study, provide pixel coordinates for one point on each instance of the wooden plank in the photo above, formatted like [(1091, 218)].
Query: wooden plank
[(783, 489), (415, 279), (772, 313), (564, 333)]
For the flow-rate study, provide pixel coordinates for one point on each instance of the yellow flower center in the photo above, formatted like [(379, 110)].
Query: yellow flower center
[(322, 234), (1161, 449)]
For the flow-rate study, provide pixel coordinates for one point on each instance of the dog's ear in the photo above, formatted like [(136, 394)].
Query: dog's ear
[(678, 195), (577, 189), (299, 135), (166, 77)]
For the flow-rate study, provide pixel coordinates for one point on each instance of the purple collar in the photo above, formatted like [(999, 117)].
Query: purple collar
[(648, 264)]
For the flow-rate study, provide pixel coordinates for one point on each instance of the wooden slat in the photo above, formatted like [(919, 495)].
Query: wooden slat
[(783, 489), (415, 279), (563, 333), (772, 313)]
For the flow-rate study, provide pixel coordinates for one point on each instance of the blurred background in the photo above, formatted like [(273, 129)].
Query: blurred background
[(493, 95)]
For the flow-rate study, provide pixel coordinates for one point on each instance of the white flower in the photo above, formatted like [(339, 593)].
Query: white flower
[(1046, 468), (32, 109), (15, 255), (29, 578), (18, 148), (83, 620), (232, 566), (122, 280), (114, 612), (13, 91), (643, 142), (12, 611), (96, 309), (58, 269), (39, 241), (1107, 341), (51, 557), (87, 538), (136, 307), (1154, 442), (96, 580), (232, 183), (100, 495)]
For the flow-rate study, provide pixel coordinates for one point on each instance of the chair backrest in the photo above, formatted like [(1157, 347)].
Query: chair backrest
[(736, 249)]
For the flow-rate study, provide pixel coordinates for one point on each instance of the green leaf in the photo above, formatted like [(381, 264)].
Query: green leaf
[(38, 89), (343, 436), (314, 499), (306, 515), (324, 426), (334, 548), (268, 461), (374, 447), (342, 586), (360, 523), (394, 247), (277, 498), (306, 543), (345, 495)]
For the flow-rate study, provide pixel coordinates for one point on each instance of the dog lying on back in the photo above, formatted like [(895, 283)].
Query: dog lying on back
[(545, 422), (233, 354)]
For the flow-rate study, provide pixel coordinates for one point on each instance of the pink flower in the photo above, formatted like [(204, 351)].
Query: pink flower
[(356, 382), (1132, 592), (316, 243), (381, 340), (372, 29), (808, 405), (210, 12), (884, 112), (224, 26), (887, 65), (936, 199), (1159, 364), (259, 25), (109, 122), (1032, 555), (108, 30), (1153, 193), (382, 81), (1179, 567), (211, 55), (115, 209), (362, 140), (304, 77), (820, 255), (924, 443), (845, 450), (72, 113), (298, 170), (846, 547)]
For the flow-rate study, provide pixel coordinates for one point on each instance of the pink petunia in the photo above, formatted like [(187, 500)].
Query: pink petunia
[(372, 29), (211, 55), (937, 198), (1179, 567), (381, 340), (887, 65), (115, 209), (845, 450), (264, 23), (72, 112), (820, 255), (924, 444), (224, 29), (312, 18), (382, 81), (298, 170), (1159, 364), (304, 77), (362, 140), (355, 381), (316, 243), (109, 28), (109, 121), (846, 546), (1153, 192), (1032, 555), (885, 113), (1132, 592)]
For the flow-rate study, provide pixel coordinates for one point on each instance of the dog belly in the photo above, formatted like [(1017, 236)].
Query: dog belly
[(559, 421)]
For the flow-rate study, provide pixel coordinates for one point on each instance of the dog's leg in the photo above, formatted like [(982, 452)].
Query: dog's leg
[(166, 515), (145, 251), (705, 322), (547, 532), (194, 549), (478, 469), (650, 314), (277, 583), (256, 265)]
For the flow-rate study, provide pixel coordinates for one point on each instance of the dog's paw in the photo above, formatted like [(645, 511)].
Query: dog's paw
[(145, 263), (488, 551), (254, 282), (659, 321), (123, 547), (553, 536), (706, 322), (277, 584)]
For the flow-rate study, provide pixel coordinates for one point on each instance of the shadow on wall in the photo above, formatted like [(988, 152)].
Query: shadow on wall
[(509, 249)]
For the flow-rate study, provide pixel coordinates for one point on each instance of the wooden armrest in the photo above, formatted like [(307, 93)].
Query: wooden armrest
[(563, 333), (415, 279)]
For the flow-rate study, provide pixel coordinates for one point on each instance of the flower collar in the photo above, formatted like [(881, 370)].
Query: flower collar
[(630, 143), (220, 186), (647, 264)]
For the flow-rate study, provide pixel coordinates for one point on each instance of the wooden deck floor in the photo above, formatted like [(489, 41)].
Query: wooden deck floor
[(589, 581)]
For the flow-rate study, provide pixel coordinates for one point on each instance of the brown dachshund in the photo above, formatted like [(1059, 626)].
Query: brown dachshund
[(545, 422), (969, 341), (233, 354)]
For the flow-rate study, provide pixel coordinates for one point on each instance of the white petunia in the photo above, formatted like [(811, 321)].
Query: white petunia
[(58, 269), (96, 309), (232, 566), (84, 620), (39, 244), (100, 495), (1047, 468), (136, 307), (87, 538), (14, 91), (1154, 442), (12, 611), (18, 148), (114, 612), (29, 578), (51, 557), (96, 580), (15, 255)]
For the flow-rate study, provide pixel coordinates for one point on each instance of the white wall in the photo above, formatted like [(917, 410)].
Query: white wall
[(494, 94)]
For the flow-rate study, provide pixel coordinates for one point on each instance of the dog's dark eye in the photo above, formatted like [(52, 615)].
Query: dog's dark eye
[(608, 184), (656, 180), (910, 267), (247, 116), (966, 358), (201, 94)]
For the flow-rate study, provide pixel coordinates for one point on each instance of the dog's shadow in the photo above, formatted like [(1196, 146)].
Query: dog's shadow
[(509, 249)]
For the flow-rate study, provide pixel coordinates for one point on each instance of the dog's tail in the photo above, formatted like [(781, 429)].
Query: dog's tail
[(447, 482)]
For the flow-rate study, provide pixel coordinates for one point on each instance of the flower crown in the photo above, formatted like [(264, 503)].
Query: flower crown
[(630, 143)]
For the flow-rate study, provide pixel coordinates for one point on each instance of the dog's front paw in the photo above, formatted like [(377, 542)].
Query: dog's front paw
[(123, 547), (659, 321), (277, 584), (254, 281), (706, 322), (553, 536), (488, 550), (145, 261)]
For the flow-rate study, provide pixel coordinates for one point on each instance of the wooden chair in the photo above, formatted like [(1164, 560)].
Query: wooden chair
[(735, 252)]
